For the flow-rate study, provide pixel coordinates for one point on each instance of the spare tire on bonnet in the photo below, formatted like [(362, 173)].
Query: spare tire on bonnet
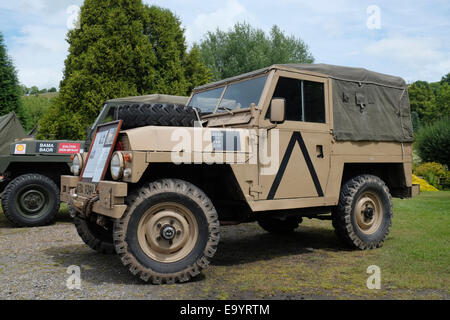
[(156, 114)]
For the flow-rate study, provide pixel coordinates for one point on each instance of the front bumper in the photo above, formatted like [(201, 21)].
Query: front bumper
[(107, 199)]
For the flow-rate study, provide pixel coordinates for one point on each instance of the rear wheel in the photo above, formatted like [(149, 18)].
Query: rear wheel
[(169, 232), (31, 200), (363, 216)]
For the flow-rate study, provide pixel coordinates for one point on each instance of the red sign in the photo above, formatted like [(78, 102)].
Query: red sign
[(69, 148)]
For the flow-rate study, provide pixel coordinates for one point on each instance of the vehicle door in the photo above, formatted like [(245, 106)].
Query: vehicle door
[(303, 140)]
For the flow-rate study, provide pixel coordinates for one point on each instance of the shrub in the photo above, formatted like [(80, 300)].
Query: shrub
[(424, 186), (433, 142), (432, 172)]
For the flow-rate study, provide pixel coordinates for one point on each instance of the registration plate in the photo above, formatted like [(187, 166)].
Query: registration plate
[(85, 188)]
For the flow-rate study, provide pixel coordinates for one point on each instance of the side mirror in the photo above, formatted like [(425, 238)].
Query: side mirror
[(278, 110)]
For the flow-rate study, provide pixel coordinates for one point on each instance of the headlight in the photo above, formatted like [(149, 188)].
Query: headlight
[(117, 165), (77, 164)]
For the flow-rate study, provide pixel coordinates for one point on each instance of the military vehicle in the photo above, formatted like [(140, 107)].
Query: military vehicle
[(273, 146), (30, 172), (31, 169)]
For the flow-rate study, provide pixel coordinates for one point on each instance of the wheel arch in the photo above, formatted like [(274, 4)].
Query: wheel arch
[(393, 174), (217, 181)]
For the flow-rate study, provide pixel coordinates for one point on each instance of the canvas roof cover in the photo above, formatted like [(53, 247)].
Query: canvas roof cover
[(10, 130), (151, 98), (367, 106)]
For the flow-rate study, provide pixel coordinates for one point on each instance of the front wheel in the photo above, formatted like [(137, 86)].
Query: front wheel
[(363, 216), (169, 232), (31, 200)]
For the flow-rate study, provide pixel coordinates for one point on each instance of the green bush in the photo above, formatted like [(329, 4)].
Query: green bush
[(433, 142)]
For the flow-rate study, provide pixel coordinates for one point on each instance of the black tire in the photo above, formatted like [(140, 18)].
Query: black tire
[(147, 209), (368, 228), (31, 200), (279, 226), (140, 115), (96, 237)]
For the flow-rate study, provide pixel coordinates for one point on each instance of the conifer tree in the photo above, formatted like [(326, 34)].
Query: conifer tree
[(122, 48), (10, 90)]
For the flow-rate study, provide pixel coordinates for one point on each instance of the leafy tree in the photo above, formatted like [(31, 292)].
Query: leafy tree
[(431, 101), (415, 121), (53, 89), (422, 99), (244, 48), (10, 90), (446, 79), (443, 100), (178, 71), (167, 38), (34, 90), (109, 56), (122, 48), (196, 72)]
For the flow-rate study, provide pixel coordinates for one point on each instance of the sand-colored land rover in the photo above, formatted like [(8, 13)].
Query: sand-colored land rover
[(273, 146)]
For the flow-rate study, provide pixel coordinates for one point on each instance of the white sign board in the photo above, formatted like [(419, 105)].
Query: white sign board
[(100, 152)]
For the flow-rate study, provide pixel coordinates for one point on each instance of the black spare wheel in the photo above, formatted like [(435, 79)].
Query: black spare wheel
[(156, 114)]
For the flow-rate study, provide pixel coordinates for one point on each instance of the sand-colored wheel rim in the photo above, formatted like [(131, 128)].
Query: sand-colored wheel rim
[(368, 213), (167, 232)]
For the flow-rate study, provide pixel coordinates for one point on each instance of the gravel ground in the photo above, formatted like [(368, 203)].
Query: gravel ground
[(249, 264), (34, 263)]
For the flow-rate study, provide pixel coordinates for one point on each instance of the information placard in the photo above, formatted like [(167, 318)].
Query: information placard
[(100, 152)]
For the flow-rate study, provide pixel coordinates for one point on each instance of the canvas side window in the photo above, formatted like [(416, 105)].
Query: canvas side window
[(305, 100), (290, 89), (314, 101)]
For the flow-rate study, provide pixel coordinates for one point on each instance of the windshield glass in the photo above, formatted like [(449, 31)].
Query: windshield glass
[(207, 101), (242, 94), (106, 115), (238, 95)]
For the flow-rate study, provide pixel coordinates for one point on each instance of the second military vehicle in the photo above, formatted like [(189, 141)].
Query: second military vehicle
[(274, 146), (30, 172)]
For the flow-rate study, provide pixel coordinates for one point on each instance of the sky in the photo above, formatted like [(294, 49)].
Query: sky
[(410, 38)]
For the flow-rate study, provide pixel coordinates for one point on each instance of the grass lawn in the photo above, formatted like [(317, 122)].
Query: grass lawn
[(414, 261)]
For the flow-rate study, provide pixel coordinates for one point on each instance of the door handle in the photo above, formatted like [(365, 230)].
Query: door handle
[(319, 151)]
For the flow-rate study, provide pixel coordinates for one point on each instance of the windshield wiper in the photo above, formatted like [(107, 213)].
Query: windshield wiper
[(226, 109)]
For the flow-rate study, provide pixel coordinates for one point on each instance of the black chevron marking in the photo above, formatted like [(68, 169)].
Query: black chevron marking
[(296, 137)]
